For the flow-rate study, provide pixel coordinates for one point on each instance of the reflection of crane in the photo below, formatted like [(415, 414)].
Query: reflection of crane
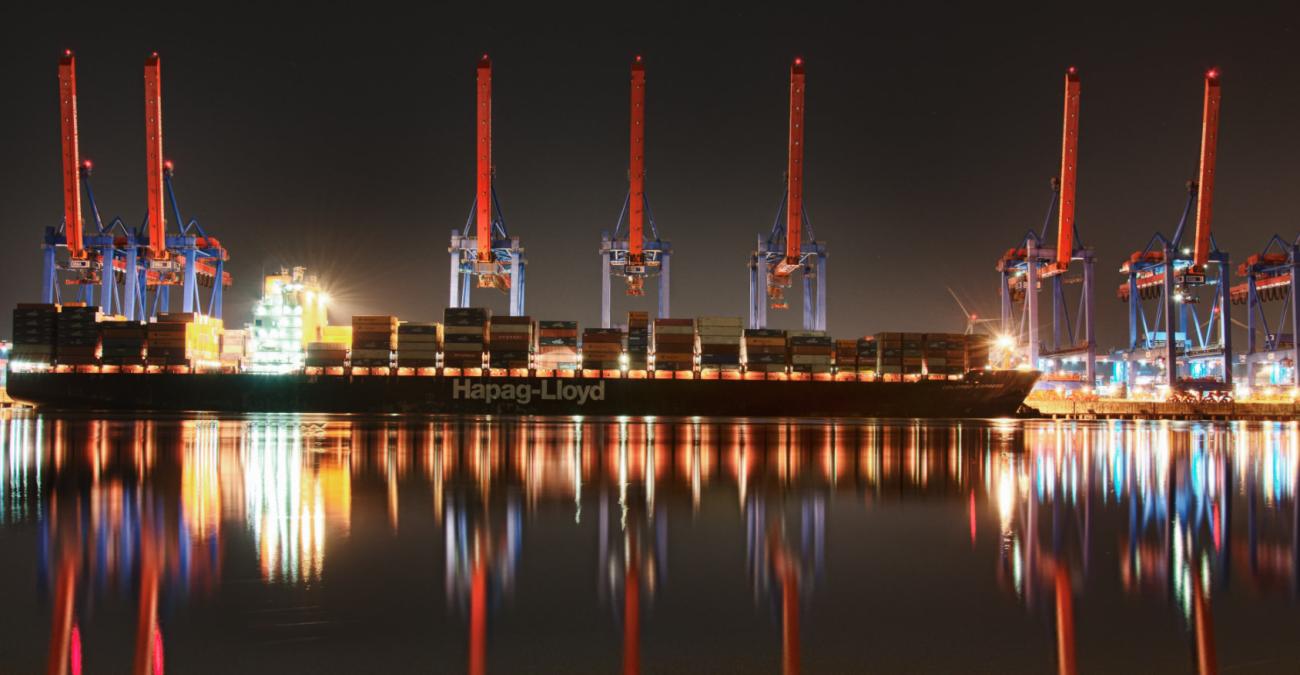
[(482, 559), (635, 257), (972, 319)]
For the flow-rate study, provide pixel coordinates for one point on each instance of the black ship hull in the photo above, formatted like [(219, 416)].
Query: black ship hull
[(980, 394)]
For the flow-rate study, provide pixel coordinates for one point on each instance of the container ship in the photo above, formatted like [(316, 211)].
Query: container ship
[(74, 358)]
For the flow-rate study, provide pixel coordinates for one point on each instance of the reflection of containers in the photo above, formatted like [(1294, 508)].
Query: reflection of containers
[(374, 338), (557, 345), (638, 340), (464, 336), (601, 348), (418, 344), (719, 341), (765, 350), (674, 344), (510, 342)]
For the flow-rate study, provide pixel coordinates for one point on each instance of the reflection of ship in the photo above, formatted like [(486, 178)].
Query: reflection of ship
[(980, 394)]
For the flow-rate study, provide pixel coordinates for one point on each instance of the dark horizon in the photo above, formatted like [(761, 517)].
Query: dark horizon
[(344, 142)]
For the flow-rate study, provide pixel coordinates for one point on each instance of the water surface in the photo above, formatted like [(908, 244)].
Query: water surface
[(286, 543)]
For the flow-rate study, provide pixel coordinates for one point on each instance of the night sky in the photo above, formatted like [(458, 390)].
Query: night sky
[(341, 138)]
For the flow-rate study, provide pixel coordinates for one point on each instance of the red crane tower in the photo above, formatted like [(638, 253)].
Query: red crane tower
[(1035, 263), (1195, 355), (784, 251), (635, 256), (491, 256)]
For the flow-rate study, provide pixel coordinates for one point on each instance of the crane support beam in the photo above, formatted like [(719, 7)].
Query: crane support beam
[(72, 220), (1069, 170), (1205, 178), (483, 196), (636, 169), (154, 156), (794, 170)]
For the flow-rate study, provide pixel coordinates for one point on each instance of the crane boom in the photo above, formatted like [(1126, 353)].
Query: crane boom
[(1069, 171), (72, 220), (1205, 179), (636, 170), (483, 200), (794, 171), (154, 156)]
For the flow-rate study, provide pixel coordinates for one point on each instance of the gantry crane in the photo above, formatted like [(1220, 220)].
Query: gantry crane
[(133, 268), (1271, 277), (783, 251), (491, 255), (1173, 276), (1024, 269), (635, 257)]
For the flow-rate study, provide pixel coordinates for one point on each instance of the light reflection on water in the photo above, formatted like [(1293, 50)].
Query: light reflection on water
[(282, 537)]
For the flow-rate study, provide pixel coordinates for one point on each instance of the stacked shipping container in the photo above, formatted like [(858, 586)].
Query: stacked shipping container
[(510, 342), (601, 348), (418, 344), (557, 345), (719, 341), (76, 336), (374, 338), (674, 344), (638, 340), (34, 330), (811, 352), (464, 336), (765, 350)]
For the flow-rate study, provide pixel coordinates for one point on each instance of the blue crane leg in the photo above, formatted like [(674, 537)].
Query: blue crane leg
[(604, 289), (665, 287)]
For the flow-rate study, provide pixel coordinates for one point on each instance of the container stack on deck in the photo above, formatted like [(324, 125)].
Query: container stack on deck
[(123, 342), (326, 355), (76, 336), (765, 350), (183, 339), (846, 356), (374, 338), (889, 362), (510, 342), (233, 346), (977, 351), (719, 340), (638, 340), (674, 344), (34, 331), (557, 345), (601, 348), (913, 353), (464, 336), (418, 344), (868, 356), (811, 351), (945, 353)]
